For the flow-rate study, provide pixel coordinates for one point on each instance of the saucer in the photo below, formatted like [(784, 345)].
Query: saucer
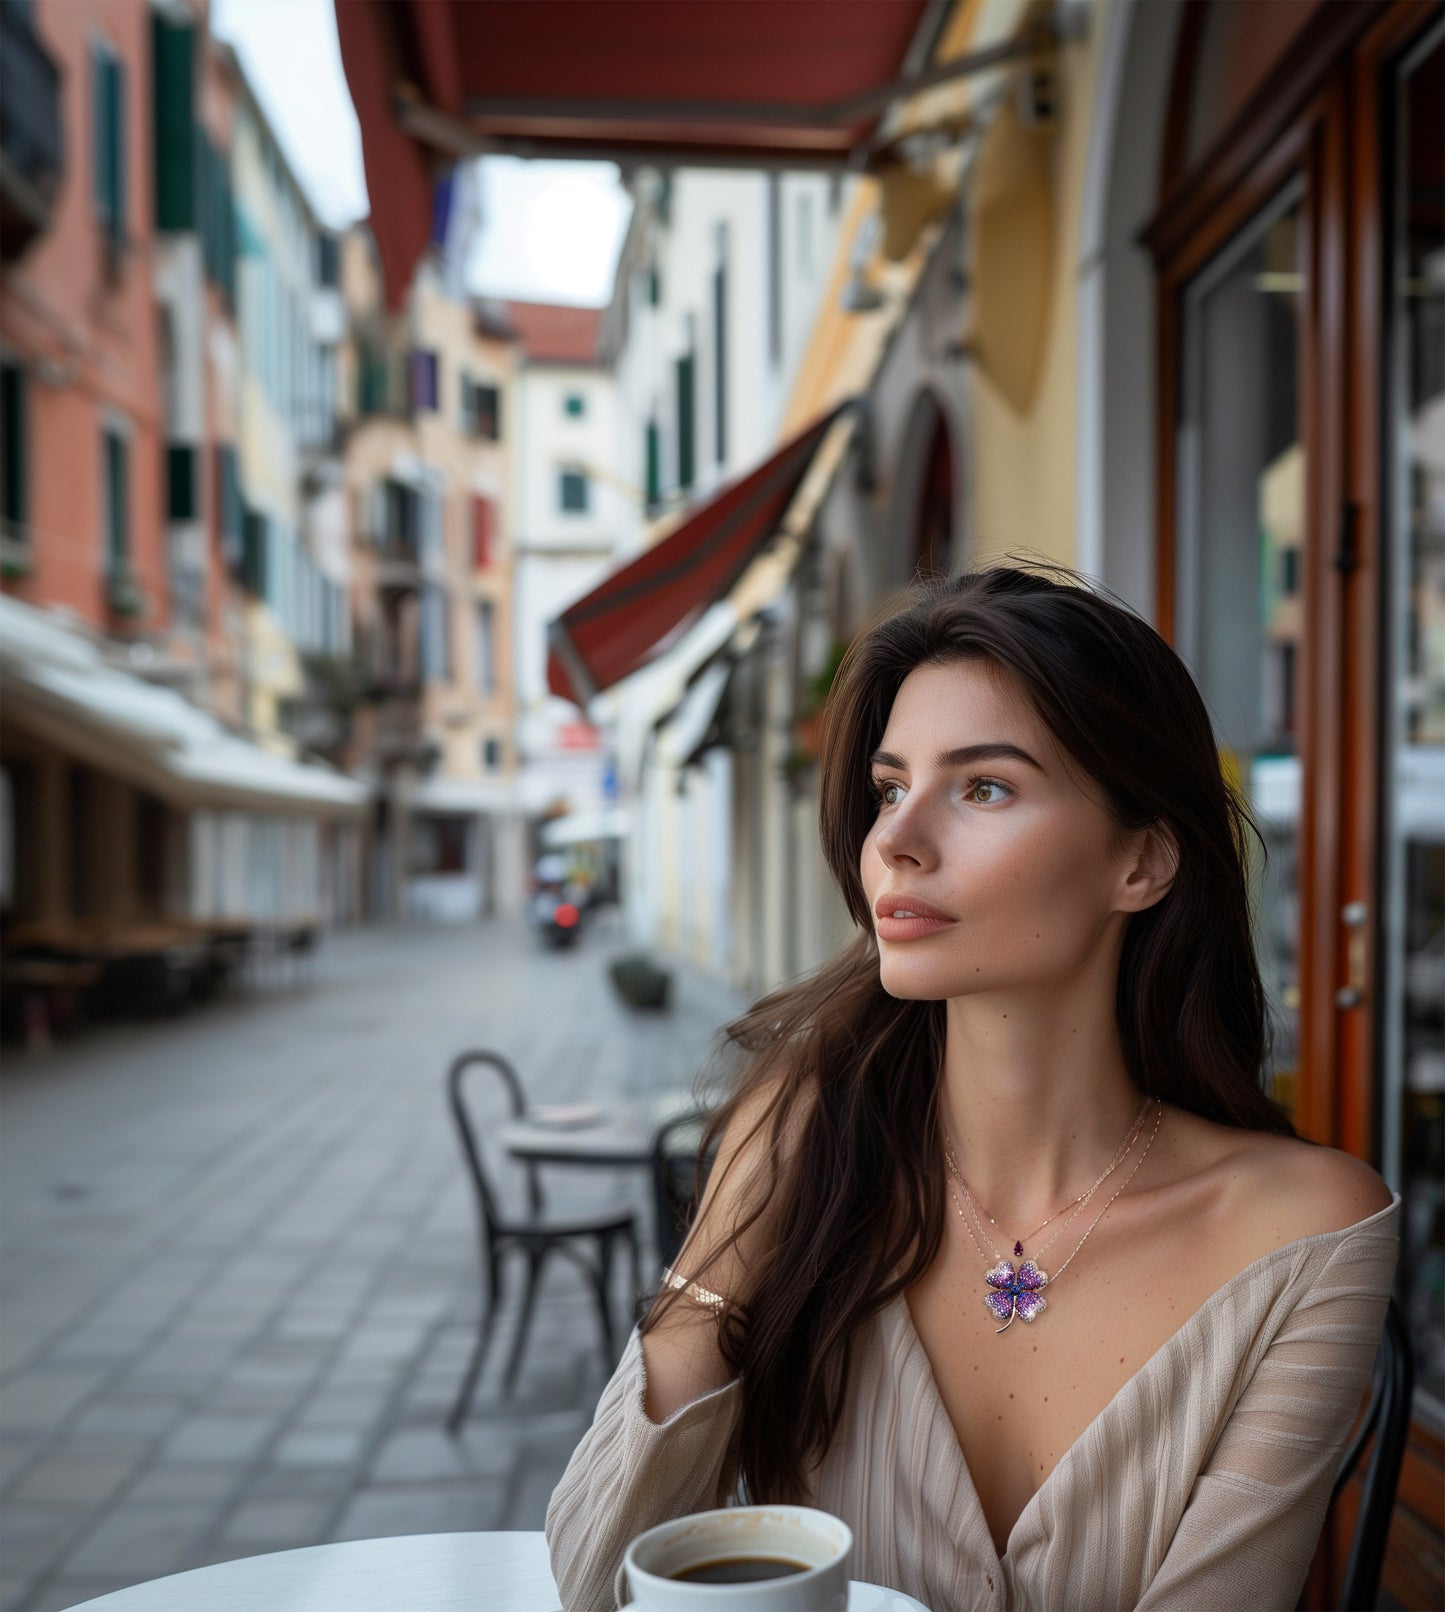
[(876, 1598)]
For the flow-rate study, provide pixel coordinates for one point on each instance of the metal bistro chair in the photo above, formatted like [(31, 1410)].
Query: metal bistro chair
[(676, 1180), (534, 1235), (1386, 1420)]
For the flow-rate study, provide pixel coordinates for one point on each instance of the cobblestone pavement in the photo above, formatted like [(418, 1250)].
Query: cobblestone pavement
[(238, 1275)]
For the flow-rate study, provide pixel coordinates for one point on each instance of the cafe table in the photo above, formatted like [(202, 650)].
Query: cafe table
[(619, 1135), (478, 1572)]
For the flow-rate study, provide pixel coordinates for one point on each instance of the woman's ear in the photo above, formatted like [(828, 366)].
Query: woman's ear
[(1150, 865)]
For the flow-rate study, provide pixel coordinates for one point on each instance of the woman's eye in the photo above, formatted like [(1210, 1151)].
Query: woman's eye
[(988, 791), (884, 793)]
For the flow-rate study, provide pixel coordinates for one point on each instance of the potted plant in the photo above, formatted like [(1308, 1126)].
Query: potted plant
[(640, 982)]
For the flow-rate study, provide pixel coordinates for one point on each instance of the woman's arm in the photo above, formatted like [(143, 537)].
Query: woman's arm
[(660, 1443)]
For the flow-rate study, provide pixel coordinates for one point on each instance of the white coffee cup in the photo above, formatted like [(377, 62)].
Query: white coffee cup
[(792, 1533)]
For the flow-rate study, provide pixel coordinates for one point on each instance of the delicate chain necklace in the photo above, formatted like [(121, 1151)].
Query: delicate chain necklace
[(1020, 1292), (1076, 1204)]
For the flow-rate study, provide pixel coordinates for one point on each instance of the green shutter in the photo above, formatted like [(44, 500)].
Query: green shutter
[(177, 180), (181, 500), (654, 465), (117, 503), (117, 148), (100, 116), (12, 449), (686, 423)]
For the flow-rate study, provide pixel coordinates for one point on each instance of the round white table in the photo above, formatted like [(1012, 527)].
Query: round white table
[(408, 1573)]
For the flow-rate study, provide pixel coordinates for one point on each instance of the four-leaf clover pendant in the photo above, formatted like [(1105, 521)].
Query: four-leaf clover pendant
[(1015, 1293)]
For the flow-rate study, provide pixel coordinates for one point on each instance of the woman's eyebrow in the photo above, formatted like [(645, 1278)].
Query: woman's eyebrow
[(965, 756)]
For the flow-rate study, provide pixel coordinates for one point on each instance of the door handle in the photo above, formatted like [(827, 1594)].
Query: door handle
[(1354, 915)]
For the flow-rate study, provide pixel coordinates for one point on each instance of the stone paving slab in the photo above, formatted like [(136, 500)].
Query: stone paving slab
[(238, 1275)]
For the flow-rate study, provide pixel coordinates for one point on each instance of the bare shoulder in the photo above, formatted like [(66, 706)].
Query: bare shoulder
[(1273, 1190)]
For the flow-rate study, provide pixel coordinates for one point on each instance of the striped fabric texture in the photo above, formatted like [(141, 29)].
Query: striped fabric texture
[(1201, 1485)]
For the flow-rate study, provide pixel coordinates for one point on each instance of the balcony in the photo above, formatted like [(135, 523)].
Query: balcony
[(32, 158)]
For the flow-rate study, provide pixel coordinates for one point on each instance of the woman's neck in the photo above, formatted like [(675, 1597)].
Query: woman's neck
[(1036, 1101)]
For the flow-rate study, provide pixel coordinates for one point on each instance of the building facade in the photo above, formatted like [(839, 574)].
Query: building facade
[(427, 410)]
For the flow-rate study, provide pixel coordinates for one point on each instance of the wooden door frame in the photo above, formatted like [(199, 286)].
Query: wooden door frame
[(1308, 120)]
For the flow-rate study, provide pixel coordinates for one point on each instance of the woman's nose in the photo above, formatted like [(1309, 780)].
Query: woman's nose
[(905, 838)]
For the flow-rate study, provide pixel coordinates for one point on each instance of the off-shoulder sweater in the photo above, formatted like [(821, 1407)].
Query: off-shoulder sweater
[(1200, 1487)]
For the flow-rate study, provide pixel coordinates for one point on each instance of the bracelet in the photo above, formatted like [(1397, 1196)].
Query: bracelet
[(699, 1294)]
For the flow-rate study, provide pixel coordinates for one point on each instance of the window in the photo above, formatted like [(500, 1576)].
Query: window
[(254, 555), (107, 74), (574, 405), (328, 260), (572, 492), (218, 217), (492, 754), (116, 453), (423, 374), (177, 184), (436, 649), (13, 457), (654, 287), (487, 406), (686, 368), (182, 494), (484, 526), (486, 647)]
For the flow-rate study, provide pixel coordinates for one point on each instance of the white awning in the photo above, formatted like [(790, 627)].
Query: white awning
[(578, 828), (151, 735), (464, 796), (687, 727)]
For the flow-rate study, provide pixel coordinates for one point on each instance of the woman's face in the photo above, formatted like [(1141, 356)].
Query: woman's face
[(980, 819)]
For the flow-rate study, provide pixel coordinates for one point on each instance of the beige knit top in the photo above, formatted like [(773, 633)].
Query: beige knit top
[(1201, 1485)]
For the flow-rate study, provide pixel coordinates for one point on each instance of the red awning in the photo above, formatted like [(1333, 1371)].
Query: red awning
[(742, 81), (630, 617)]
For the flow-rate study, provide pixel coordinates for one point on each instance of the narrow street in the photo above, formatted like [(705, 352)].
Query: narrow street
[(240, 1273)]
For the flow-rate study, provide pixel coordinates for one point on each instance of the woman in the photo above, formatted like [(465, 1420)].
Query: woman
[(1006, 1258)]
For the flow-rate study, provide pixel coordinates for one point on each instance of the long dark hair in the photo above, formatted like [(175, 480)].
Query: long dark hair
[(842, 1079)]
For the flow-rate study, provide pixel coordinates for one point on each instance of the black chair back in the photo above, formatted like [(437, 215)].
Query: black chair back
[(678, 1176), (1385, 1427), (487, 1201)]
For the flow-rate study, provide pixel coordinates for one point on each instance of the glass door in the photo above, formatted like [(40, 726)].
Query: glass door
[(1240, 532), (1412, 939)]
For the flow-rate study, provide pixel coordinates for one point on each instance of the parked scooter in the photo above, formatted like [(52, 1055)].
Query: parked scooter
[(554, 907)]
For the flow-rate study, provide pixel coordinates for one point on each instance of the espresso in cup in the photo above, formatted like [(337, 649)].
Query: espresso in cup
[(741, 1559)]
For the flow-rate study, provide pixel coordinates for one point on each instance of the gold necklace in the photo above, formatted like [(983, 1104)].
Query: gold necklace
[(1076, 1204), (1019, 1293)]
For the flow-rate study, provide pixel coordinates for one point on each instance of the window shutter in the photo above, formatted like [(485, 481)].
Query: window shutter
[(181, 501), (686, 423), (116, 101), (483, 529), (177, 180), (13, 455), (653, 456)]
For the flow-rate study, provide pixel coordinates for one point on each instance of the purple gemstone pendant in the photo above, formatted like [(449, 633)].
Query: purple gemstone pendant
[(1015, 1293), (1018, 1249)]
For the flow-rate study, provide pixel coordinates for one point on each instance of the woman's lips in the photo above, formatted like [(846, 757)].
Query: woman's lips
[(912, 928)]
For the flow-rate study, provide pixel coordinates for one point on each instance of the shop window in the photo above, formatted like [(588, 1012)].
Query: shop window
[(177, 183), (572, 492), (438, 845), (108, 98), (492, 754)]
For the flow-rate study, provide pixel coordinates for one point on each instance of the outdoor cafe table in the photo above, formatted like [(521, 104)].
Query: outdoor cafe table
[(620, 1136), (479, 1572)]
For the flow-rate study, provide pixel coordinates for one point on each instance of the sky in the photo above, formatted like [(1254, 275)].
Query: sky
[(552, 229)]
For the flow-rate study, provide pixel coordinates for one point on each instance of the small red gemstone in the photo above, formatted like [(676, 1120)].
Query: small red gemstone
[(1018, 1248)]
